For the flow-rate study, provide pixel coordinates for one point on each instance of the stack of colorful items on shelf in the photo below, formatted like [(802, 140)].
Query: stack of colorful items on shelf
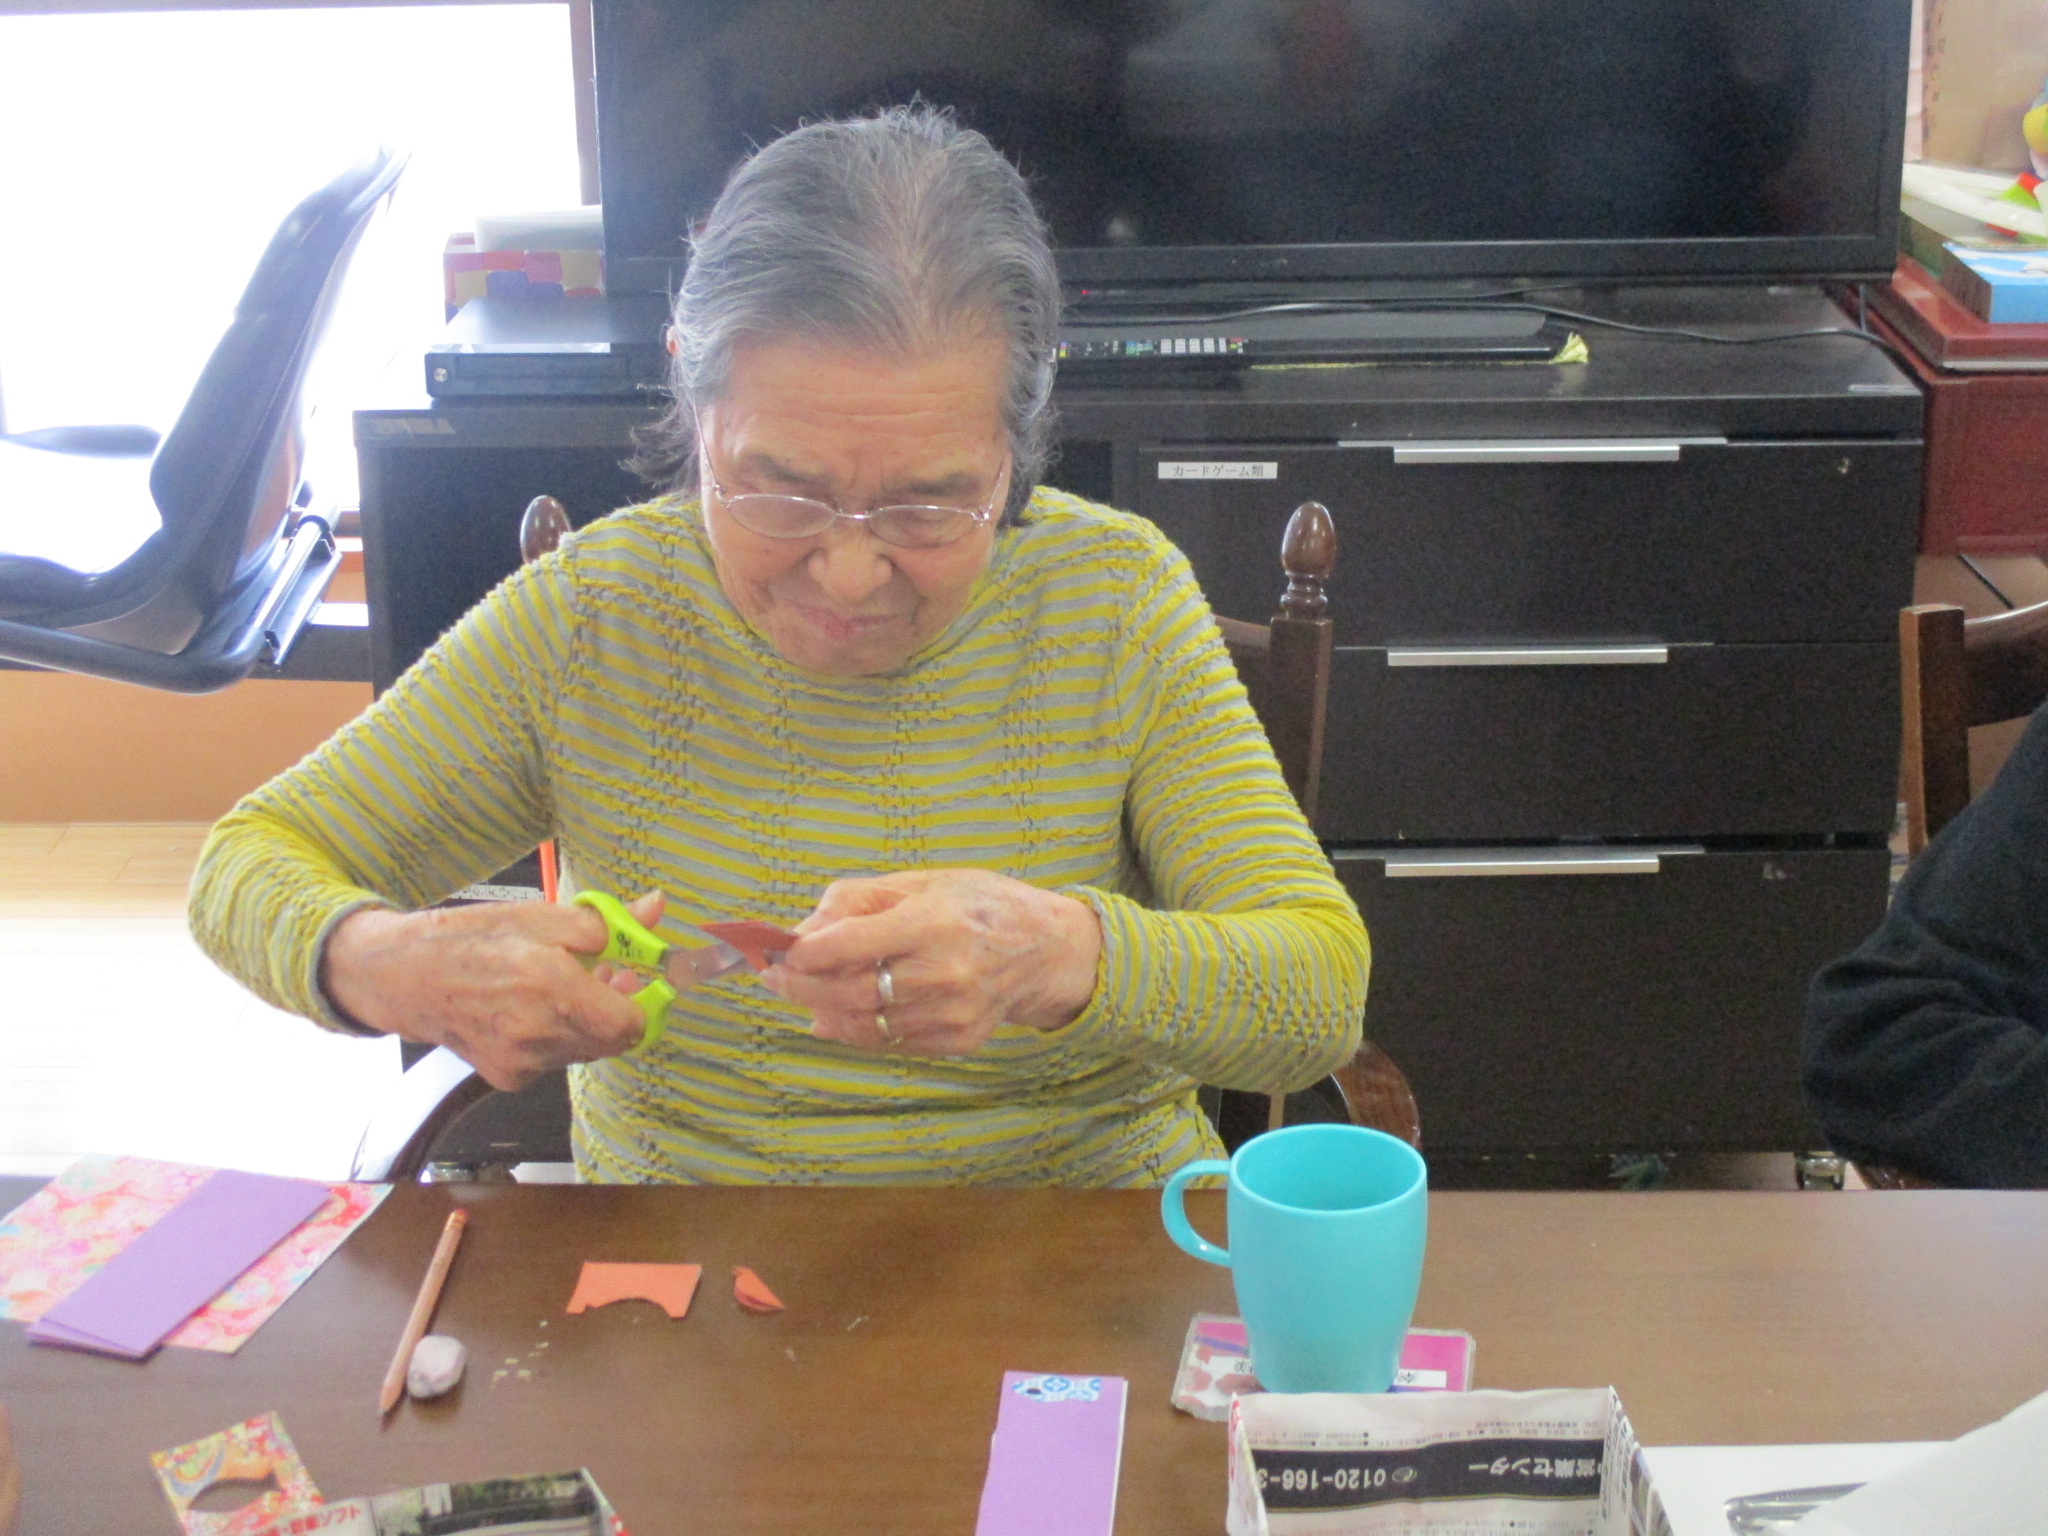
[(468, 273)]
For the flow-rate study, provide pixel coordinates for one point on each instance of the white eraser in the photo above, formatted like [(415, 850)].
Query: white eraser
[(436, 1365)]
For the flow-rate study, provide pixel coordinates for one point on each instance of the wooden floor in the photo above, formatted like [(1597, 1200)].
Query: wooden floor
[(118, 1035)]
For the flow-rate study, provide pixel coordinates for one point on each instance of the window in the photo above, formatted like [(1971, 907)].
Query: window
[(146, 157)]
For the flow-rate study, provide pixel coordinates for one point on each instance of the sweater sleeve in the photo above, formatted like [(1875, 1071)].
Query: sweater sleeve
[(441, 782), (1248, 968), (1925, 1047)]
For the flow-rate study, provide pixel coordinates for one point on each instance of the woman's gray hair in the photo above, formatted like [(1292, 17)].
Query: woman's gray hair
[(903, 232)]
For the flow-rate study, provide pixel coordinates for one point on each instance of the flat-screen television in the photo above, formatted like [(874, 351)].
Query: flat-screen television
[(1276, 142)]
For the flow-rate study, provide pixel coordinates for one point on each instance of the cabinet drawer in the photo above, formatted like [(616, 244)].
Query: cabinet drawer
[(1749, 542), (1713, 740), (1653, 1003), (441, 528)]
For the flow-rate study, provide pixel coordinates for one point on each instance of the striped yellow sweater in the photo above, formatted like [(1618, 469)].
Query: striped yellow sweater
[(1079, 727)]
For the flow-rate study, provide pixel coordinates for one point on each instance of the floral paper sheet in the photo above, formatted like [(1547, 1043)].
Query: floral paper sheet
[(61, 1235)]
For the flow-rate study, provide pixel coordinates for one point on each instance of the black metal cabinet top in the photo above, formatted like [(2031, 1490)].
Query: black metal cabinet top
[(1631, 385)]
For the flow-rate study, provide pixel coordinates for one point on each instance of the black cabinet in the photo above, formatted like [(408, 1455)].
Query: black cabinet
[(1611, 998), (1647, 602), (1590, 614), (443, 493)]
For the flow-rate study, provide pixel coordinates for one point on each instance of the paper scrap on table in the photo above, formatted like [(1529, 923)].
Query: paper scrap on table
[(1991, 1482), (1055, 1457), (749, 1292), (179, 1263), (762, 943), (669, 1286), (66, 1232), (555, 1504), (251, 1451), (1216, 1365)]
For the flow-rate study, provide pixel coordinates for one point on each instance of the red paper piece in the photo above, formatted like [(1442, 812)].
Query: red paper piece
[(669, 1286), (762, 943), (750, 1293)]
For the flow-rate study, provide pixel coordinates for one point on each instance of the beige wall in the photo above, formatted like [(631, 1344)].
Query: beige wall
[(80, 749), (1985, 60)]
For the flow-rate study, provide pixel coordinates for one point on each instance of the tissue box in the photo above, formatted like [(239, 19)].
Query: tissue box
[(1556, 1463), (2004, 287), (468, 273)]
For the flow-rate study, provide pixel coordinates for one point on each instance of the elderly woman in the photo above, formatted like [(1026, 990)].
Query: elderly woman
[(978, 740)]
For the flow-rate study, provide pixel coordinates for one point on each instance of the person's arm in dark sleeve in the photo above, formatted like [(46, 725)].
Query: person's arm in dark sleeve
[(1925, 1048)]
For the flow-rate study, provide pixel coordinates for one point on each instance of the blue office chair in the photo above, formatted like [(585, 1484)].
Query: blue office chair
[(183, 566)]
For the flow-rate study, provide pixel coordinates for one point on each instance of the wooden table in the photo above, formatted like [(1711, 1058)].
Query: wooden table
[(867, 1406)]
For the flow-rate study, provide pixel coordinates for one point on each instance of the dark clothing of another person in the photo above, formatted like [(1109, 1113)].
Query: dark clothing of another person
[(1927, 1048)]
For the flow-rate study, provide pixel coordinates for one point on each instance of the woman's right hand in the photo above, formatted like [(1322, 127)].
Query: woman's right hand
[(498, 983)]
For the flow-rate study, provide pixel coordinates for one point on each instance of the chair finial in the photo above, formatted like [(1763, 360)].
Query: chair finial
[(1308, 553), (543, 527)]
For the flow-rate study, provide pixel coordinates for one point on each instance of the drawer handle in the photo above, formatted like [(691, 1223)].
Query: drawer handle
[(1529, 656), (1441, 864), (1604, 450)]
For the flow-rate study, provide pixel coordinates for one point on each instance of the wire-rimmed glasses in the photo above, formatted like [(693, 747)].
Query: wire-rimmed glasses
[(907, 525)]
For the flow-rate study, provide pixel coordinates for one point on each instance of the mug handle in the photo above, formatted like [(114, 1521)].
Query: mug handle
[(1174, 1212)]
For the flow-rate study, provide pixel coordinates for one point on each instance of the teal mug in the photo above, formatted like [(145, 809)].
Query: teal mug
[(1327, 1224)]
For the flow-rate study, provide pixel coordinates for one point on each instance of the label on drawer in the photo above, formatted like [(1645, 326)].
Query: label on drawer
[(1218, 469)]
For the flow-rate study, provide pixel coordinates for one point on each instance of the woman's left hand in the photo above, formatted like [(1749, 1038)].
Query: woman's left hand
[(966, 950)]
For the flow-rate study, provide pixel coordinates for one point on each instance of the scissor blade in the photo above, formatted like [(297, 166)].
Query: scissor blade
[(688, 967)]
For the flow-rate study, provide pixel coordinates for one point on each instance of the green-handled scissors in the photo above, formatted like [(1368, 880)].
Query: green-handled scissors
[(672, 970)]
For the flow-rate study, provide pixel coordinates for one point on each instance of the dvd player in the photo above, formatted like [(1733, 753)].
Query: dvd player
[(1101, 350), (612, 345), (603, 345)]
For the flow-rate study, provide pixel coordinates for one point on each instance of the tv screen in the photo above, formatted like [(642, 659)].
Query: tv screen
[(1185, 141)]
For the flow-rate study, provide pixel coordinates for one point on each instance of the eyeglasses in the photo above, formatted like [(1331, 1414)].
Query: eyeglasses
[(908, 525)]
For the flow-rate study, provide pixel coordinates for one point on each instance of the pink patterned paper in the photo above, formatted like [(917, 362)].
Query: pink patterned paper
[(61, 1235)]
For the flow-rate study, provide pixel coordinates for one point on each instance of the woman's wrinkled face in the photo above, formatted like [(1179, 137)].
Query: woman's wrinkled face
[(857, 430)]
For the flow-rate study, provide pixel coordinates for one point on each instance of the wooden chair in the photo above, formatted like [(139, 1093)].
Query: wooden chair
[(1956, 673), (1285, 666)]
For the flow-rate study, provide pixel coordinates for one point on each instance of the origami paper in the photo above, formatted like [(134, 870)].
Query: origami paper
[(179, 1263), (669, 1286), (762, 943), (1055, 1458), (750, 1293), (557, 1504), (64, 1233), (251, 1451), (228, 1320)]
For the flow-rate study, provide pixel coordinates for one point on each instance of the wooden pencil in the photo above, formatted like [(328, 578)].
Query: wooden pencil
[(422, 1310)]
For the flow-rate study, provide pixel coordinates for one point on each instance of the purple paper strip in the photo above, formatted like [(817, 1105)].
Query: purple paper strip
[(189, 1255), (1052, 1466)]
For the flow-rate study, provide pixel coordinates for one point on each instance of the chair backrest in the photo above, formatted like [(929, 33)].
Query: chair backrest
[(1955, 673), (227, 474), (228, 471), (1285, 665)]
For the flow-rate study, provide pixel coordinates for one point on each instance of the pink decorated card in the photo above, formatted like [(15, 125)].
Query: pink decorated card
[(67, 1231), (1216, 1364)]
